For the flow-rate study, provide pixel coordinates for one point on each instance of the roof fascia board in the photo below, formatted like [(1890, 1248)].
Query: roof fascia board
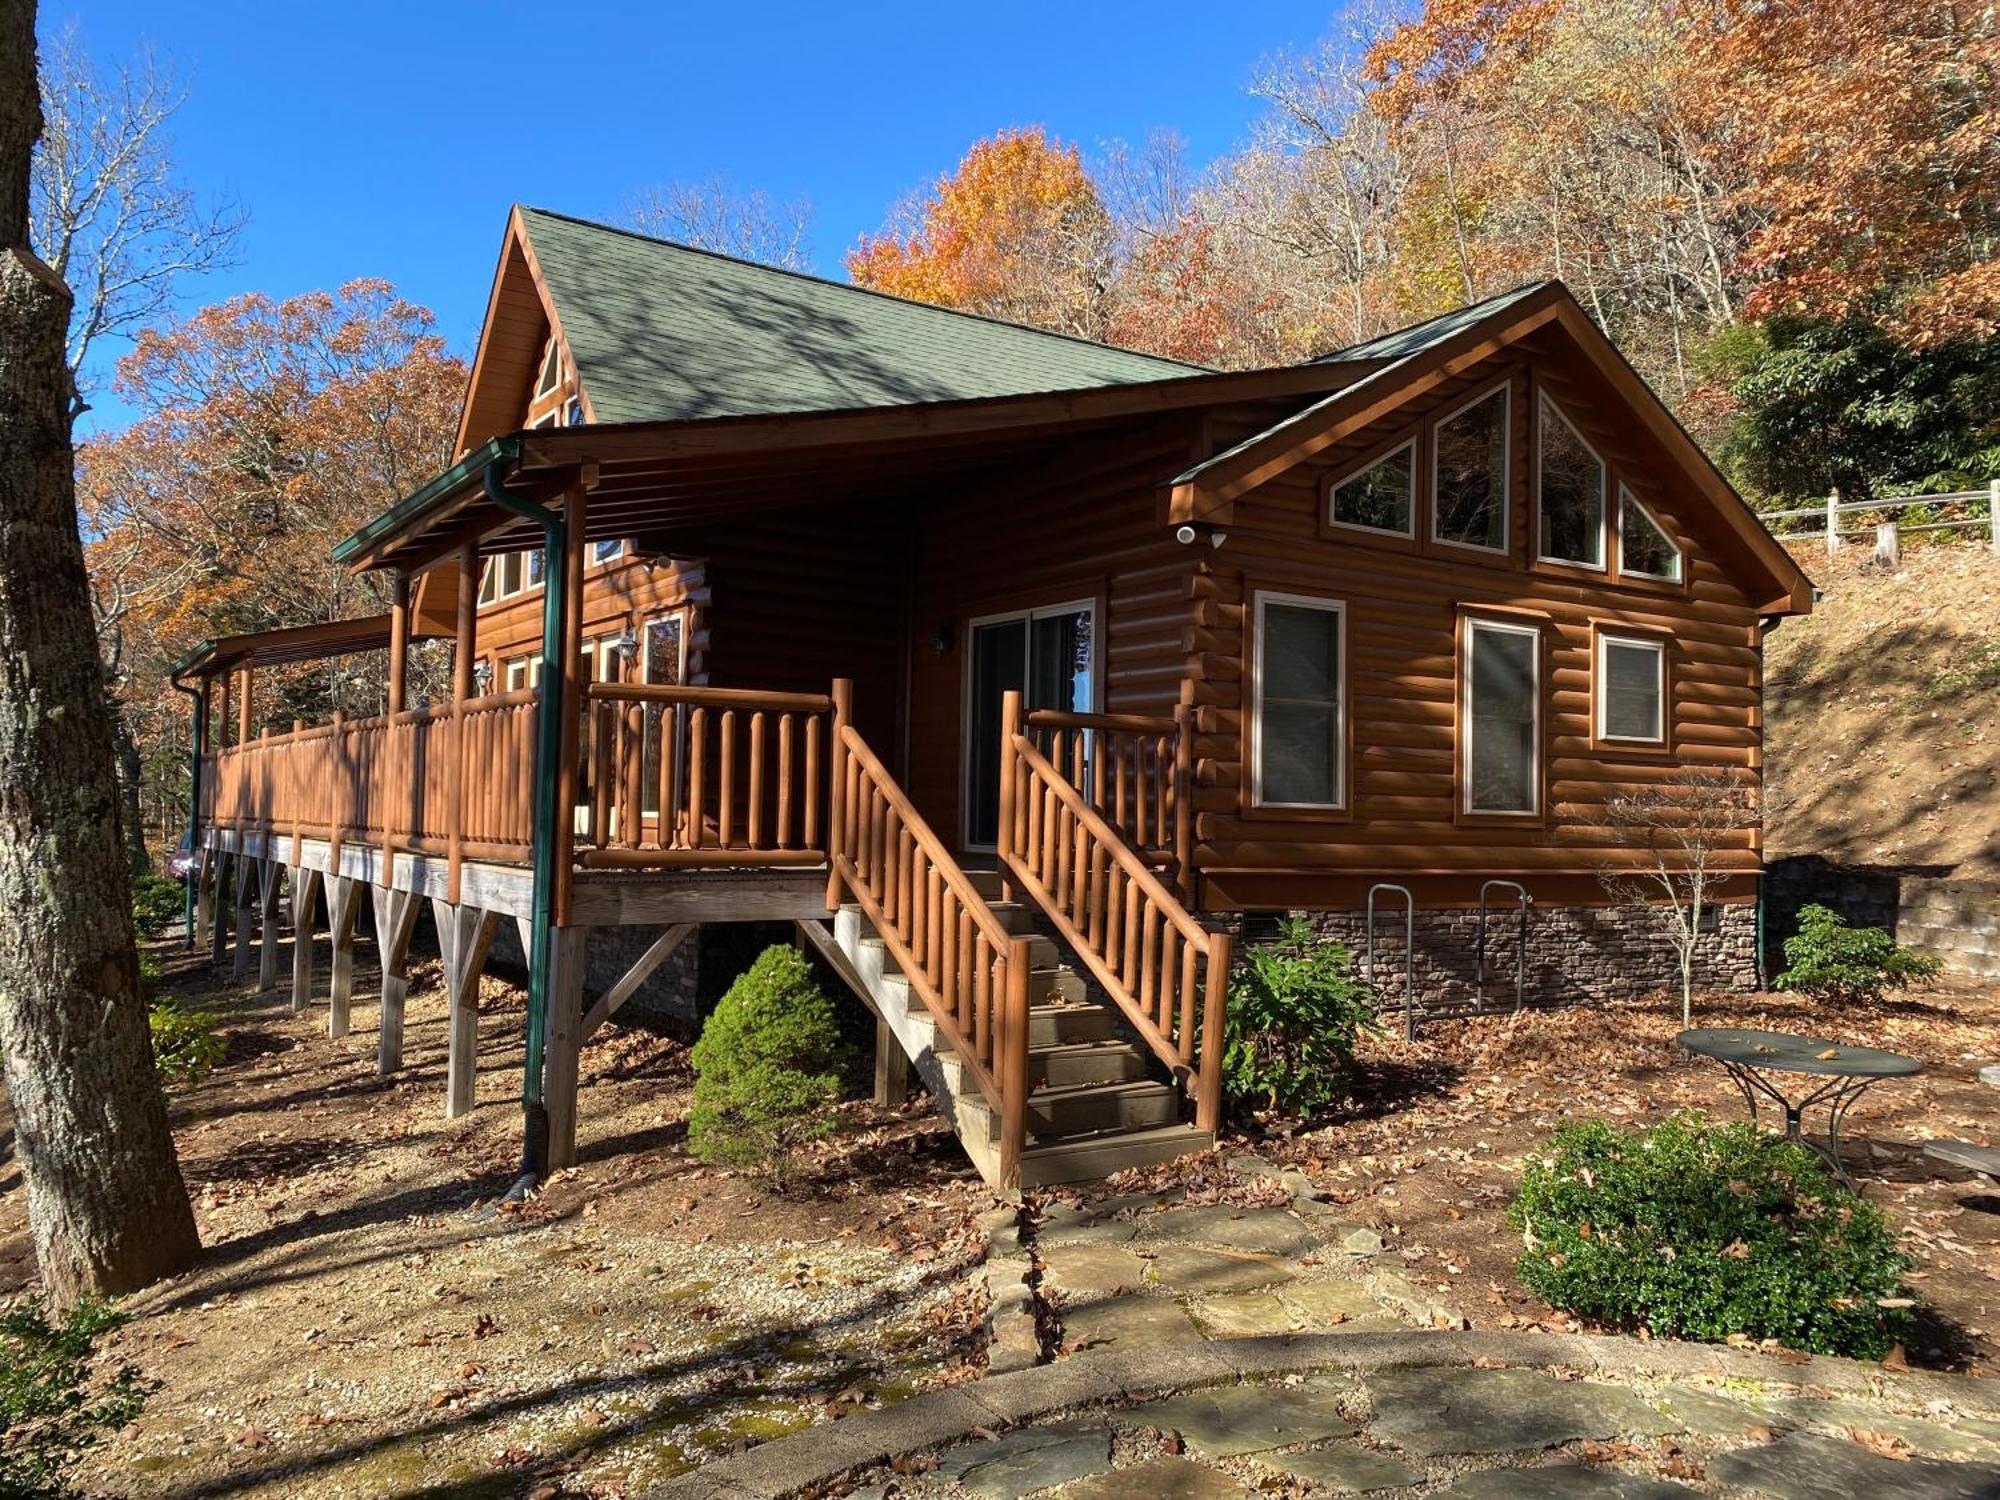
[(421, 505), (1206, 491), (508, 241)]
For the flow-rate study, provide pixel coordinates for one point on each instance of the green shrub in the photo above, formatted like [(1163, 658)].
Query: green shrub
[(1698, 1231), (186, 1045), (767, 1068), (1829, 960), (157, 904), (1294, 1016), (53, 1404)]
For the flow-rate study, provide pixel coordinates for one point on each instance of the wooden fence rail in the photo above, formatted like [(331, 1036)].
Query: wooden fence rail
[(970, 972), (1888, 533), (1167, 972)]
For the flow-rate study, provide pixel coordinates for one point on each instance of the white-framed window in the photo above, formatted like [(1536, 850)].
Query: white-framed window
[(605, 552), (1569, 492), (663, 644), (1501, 719), (1631, 689), (522, 671), (551, 375), (1298, 713), (509, 574), (1381, 496), (1469, 473), (1644, 548)]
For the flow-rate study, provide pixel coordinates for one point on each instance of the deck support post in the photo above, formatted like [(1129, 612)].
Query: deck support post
[(247, 876), (395, 924), (267, 919), (465, 934), (565, 1042), (218, 929), (892, 1068), (305, 924), (204, 899), (342, 908)]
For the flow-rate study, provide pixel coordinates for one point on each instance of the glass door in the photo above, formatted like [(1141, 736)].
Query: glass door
[(1049, 656)]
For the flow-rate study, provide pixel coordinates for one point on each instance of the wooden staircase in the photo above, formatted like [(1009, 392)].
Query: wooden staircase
[(1043, 1083), (1091, 1108)]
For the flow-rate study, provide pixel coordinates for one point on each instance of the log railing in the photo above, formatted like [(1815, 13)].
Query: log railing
[(1167, 973), (1135, 771), (971, 973), (702, 776)]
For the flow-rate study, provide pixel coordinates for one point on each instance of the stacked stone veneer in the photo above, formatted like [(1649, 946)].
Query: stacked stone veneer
[(1955, 918), (1575, 954)]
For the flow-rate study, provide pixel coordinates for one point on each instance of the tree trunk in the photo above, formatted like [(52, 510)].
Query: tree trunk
[(106, 1203), (131, 780)]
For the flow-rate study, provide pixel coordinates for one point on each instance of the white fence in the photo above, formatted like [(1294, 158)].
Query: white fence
[(1961, 512)]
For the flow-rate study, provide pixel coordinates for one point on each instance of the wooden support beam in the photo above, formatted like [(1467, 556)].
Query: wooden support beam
[(395, 923), (342, 907), (267, 921), (247, 875), (661, 949), (465, 933), (305, 923), (204, 896), (218, 932), (892, 1064), (564, 1042)]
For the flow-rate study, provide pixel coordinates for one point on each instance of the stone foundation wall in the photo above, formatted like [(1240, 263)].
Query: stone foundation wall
[(1923, 906), (1575, 954)]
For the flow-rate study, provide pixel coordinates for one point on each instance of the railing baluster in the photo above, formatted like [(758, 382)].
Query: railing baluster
[(785, 728), (756, 789), (725, 796), (698, 779)]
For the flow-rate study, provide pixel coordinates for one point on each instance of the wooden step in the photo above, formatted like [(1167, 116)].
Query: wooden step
[(1094, 1108), (1090, 1158)]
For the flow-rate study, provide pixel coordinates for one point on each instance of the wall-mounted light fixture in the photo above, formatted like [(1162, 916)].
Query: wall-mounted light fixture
[(943, 639), (627, 645), (482, 676)]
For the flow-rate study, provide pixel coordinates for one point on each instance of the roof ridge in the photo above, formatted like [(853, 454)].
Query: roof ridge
[(1520, 290), (849, 286)]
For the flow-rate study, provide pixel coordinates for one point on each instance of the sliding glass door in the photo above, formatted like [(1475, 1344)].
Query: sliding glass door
[(1049, 656)]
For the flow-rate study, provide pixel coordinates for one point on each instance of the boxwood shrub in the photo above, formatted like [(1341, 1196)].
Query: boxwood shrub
[(1829, 960), (1700, 1231)]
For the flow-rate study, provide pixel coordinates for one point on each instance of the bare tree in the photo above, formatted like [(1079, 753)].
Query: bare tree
[(106, 1204), (1661, 845), (709, 215), (108, 212)]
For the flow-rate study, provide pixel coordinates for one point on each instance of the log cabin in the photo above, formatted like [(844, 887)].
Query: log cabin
[(1027, 679)]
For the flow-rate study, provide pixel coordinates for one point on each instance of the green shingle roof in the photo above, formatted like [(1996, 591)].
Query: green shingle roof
[(1401, 342), (660, 331)]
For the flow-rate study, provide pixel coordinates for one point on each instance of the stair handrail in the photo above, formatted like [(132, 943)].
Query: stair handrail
[(1167, 829), (1117, 914), (935, 924)]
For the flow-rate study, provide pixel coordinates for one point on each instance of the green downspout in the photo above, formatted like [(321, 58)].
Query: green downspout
[(198, 733), (548, 817)]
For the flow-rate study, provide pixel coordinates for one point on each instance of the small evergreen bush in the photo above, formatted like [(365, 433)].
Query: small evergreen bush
[(53, 1404), (1294, 1016), (186, 1045), (1697, 1231), (1829, 960), (767, 1068), (157, 904)]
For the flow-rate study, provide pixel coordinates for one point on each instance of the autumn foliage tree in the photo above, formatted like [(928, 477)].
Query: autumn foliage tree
[(1018, 231), (268, 430)]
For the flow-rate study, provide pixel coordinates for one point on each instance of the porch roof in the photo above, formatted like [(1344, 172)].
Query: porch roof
[(655, 477), (262, 648)]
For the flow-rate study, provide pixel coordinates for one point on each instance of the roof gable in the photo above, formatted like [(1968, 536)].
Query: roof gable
[(658, 331)]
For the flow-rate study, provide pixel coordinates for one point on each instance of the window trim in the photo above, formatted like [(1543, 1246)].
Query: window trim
[(1469, 627), (1505, 388), (1407, 444), (1255, 727), (1546, 402), (1603, 637), (1625, 492), (600, 558), (549, 378)]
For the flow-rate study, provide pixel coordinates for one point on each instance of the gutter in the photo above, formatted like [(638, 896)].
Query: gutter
[(548, 818), (197, 735)]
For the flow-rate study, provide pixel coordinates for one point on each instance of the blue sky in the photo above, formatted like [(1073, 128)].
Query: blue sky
[(369, 139)]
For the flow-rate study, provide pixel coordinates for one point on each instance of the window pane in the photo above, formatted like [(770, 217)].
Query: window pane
[(999, 665), (1379, 496), (535, 568), (1644, 548), (1631, 691), (510, 573), (1059, 670), (1471, 475), (1298, 731), (1572, 493), (1502, 761), (663, 667)]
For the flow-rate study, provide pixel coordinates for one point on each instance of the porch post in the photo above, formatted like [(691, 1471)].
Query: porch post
[(575, 509), (461, 692), (243, 695), (399, 640), (836, 802)]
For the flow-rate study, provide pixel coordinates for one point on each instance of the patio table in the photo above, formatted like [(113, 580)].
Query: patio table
[(1834, 1075)]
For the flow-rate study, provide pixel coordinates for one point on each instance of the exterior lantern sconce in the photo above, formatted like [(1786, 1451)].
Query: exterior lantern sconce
[(627, 645), (482, 676)]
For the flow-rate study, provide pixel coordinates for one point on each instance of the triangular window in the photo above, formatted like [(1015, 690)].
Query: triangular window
[(1644, 548), (551, 375), (1378, 498), (1570, 488)]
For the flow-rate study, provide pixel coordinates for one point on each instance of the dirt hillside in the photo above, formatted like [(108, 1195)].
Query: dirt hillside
[(1883, 714)]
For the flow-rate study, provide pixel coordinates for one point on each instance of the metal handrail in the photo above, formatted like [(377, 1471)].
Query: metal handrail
[(1409, 952)]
